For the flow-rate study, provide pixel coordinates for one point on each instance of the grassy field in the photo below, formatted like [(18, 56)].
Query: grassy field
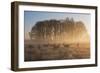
[(38, 52)]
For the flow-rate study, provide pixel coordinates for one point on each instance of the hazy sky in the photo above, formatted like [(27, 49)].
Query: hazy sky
[(31, 17)]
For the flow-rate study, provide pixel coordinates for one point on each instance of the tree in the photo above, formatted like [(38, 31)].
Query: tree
[(57, 30)]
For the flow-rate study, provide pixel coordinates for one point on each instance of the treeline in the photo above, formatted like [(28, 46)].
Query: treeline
[(57, 30)]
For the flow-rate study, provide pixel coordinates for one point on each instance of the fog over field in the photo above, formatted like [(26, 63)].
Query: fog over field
[(57, 40)]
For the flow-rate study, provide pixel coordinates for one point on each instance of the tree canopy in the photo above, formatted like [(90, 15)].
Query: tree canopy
[(66, 30)]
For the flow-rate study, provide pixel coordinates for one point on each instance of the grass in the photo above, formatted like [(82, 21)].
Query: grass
[(40, 52)]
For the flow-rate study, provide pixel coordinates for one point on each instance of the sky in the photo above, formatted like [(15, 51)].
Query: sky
[(32, 17)]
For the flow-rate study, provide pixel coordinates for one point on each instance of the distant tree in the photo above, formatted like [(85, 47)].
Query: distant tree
[(54, 30)]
